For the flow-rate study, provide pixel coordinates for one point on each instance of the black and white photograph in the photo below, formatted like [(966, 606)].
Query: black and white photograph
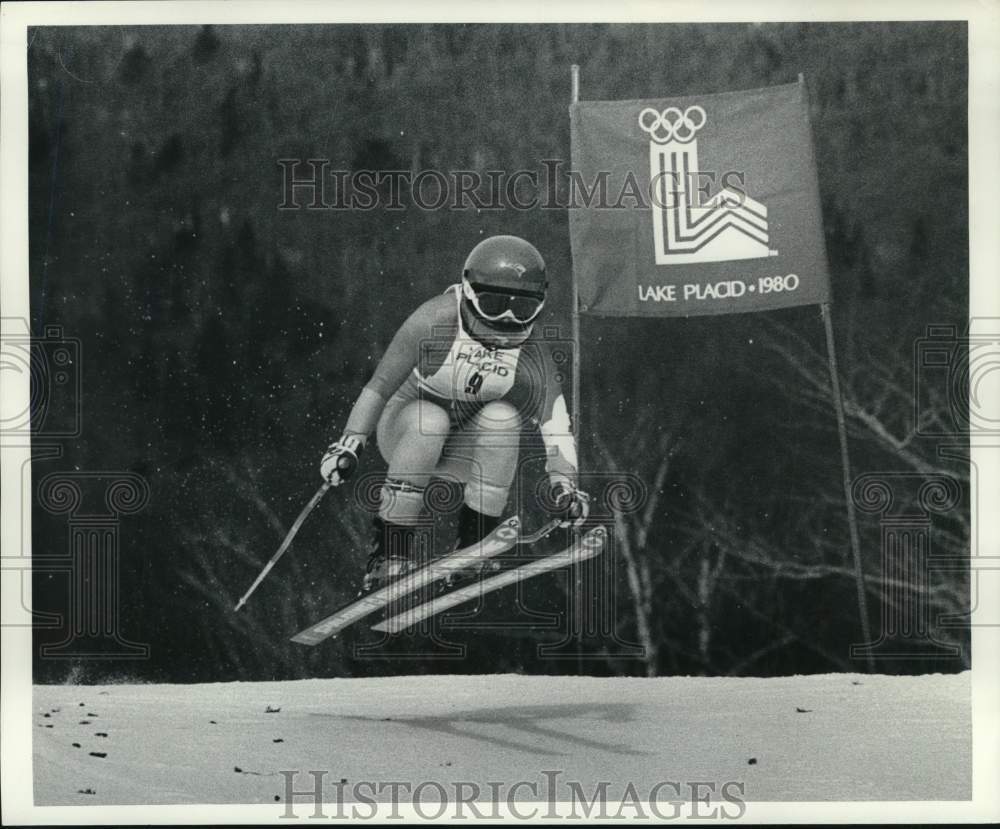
[(500, 414)]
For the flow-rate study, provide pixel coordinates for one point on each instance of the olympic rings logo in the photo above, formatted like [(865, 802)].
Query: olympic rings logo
[(672, 123)]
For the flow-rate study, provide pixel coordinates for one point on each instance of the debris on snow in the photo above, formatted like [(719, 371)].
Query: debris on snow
[(644, 725), (270, 710)]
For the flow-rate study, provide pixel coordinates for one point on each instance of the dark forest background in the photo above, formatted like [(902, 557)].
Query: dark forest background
[(223, 340)]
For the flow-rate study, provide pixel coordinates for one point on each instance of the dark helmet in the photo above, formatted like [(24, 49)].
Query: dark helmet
[(503, 283), (506, 262)]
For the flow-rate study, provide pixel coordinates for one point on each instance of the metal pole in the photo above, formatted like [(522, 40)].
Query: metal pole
[(286, 543), (845, 463), (574, 73), (575, 306)]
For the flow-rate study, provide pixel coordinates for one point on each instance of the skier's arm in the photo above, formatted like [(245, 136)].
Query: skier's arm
[(560, 446), (557, 433), (341, 457), (365, 414), (564, 497), (394, 367)]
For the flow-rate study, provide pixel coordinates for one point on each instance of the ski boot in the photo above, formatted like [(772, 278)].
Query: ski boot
[(473, 527), (393, 554)]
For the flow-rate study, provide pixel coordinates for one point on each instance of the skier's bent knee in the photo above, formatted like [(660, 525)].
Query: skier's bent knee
[(499, 415)]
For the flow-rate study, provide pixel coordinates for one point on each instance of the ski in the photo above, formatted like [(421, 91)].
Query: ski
[(503, 538), (589, 546)]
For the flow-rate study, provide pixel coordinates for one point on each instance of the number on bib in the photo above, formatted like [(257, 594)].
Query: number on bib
[(475, 383)]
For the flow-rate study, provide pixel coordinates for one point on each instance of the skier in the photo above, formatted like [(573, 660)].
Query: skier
[(449, 399)]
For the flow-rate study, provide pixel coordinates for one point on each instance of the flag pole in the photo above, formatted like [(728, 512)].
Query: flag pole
[(575, 307), (574, 74), (845, 465)]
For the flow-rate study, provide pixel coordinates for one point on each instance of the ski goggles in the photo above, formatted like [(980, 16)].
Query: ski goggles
[(497, 304)]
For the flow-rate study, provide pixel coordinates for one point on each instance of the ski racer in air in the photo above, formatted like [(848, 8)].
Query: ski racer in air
[(461, 379)]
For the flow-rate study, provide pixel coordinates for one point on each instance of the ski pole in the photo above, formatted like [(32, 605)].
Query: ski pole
[(285, 544)]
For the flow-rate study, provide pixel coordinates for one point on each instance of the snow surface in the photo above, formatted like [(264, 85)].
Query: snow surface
[(856, 737)]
